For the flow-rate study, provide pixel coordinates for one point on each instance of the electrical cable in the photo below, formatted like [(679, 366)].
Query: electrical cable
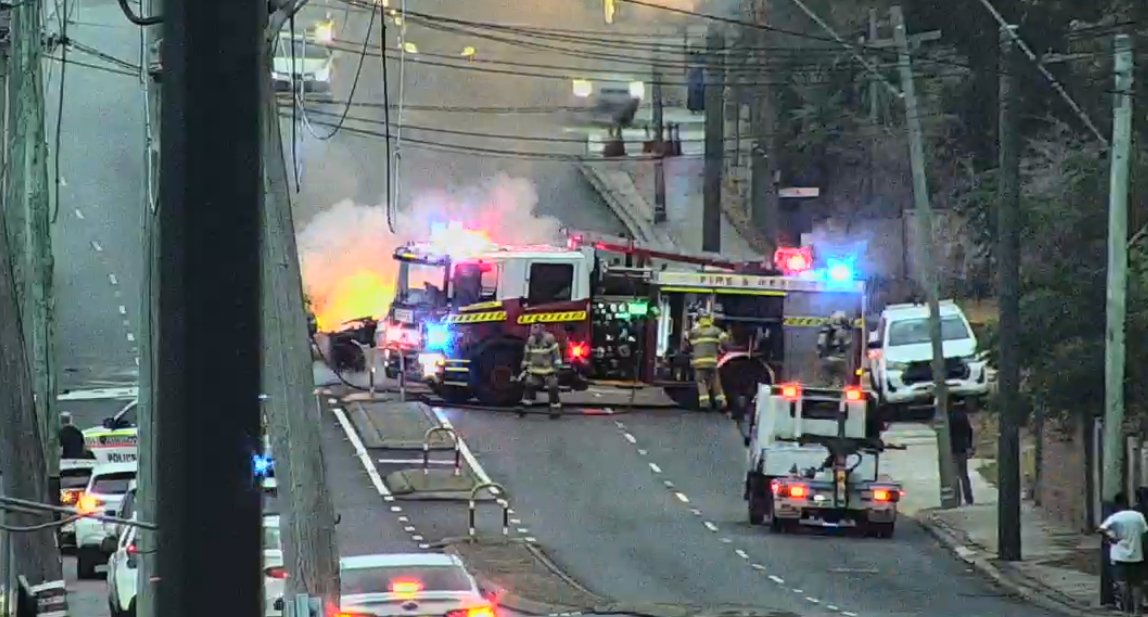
[(59, 111), (48, 525), (296, 85), (391, 163), (354, 85), (97, 67), (154, 20)]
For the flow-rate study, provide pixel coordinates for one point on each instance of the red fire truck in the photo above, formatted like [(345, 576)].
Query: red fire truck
[(620, 311)]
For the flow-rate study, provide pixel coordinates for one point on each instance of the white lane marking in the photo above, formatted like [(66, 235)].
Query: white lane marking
[(619, 424), (832, 607), (695, 512), (424, 546), (777, 579), (113, 280), (332, 401), (515, 521), (798, 591), (757, 566), (409, 528), (848, 614), (362, 454), (123, 310), (530, 539), (725, 541), (682, 497), (411, 461), (417, 538), (467, 455), (641, 452), (630, 438), (812, 600), (394, 508), (131, 337), (404, 519), (654, 468), (96, 246), (741, 553), (523, 530), (79, 214), (710, 526)]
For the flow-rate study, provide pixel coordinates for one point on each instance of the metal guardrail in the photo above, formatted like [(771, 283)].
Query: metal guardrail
[(457, 448), (499, 493)]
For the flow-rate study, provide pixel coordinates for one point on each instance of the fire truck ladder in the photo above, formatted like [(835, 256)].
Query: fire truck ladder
[(628, 246)]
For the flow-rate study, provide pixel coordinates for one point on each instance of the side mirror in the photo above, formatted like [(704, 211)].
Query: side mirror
[(278, 605), (109, 544), (112, 513), (109, 423)]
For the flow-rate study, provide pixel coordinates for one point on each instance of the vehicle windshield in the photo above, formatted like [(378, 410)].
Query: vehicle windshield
[(421, 284), (303, 50), (916, 331), (74, 478), (127, 415), (113, 483), (382, 579), (271, 539), (473, 282)]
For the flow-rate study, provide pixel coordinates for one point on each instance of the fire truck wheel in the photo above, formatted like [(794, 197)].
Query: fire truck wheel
[(497, 367), (741, 376)]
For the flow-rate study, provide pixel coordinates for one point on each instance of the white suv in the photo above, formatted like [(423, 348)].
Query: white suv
[(901, 354), (123, 575), (103, 496)]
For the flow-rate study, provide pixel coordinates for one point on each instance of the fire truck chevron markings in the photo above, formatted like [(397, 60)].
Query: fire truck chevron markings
[(552, 317), (476, 317)]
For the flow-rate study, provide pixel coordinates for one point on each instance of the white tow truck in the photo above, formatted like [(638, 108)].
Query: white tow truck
[(814, 460)]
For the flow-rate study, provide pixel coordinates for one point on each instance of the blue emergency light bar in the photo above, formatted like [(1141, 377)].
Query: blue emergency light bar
[(262, 465), (438, 337)]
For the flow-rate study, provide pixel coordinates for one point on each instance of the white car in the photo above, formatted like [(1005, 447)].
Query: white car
[(123, 576), (610, 100), (313, 67), (103, 496), (274, 571), (74, 477), (901, 354), (390, 585)]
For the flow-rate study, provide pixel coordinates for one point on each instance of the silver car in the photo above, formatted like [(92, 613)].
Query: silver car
[(311, 72)]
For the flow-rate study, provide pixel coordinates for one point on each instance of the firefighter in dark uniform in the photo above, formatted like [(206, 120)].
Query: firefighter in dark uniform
[(540, 362), (706, 342), (833, 343)]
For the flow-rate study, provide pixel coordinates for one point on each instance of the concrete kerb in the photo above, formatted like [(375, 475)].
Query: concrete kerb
[(630, 214), (529, 606), (1031, 592), (393, 425)]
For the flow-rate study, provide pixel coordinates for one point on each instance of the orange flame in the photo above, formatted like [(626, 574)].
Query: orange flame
[(459, 242), (360, 294)]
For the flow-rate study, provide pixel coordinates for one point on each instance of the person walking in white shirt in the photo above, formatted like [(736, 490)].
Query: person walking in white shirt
[(1125, 530)]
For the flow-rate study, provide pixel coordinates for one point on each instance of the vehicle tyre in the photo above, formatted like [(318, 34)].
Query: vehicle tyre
[(777, 525), (685, 396), (455, 395), (131, 612), (497, 367), (86, 563), (740, 377), (758, 503)]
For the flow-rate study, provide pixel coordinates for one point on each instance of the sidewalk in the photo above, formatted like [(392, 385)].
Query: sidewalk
[(1059, 569)]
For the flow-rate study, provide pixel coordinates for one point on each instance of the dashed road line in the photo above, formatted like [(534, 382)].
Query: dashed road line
[(97, 247), (709, 525), (113, 280)]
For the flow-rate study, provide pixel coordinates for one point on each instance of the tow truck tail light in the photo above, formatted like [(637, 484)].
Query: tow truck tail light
[(791, 391), (276, 572), (578, 351), (476, 611), (783, 489), (854, 394), (889, 495)]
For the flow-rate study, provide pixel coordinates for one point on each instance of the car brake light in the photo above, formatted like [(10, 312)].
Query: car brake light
[(476, 611), (797, 490), (406, 586), (886, 494), (854, 394), (578, 351), (276, 572), (133, 549), (782, 489), (791, 391), (86, 504)]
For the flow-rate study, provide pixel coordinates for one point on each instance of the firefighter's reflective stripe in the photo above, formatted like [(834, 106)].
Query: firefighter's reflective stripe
[(706, 343), (813, 322), (541, 355), (476, 317), (551, 317)]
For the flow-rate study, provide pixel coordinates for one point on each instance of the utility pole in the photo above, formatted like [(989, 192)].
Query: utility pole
[(926, 263), (148, 312), (208, 334), (874, 83), (1113, 474), (764, 203), (659, 142), (37, 558), (714, 140), (1008, 267), (308, 519)]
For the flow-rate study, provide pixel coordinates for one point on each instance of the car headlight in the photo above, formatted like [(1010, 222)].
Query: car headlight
[(896, 366), (637, 89), (582, 88)]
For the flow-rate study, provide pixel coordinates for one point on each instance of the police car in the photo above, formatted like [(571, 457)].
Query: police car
[(104, 494), (117, 439)]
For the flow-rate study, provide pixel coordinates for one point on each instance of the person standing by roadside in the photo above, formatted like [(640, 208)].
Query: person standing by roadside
[(961, 442), (1125, 531)]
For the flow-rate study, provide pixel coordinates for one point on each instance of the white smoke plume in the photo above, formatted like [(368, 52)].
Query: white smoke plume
[(346, 250)]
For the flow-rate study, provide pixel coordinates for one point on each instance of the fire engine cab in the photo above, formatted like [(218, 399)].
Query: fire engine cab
[(621, 313)]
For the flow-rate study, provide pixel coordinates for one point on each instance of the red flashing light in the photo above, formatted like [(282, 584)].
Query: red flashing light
[(793, 260), (475, 611), (133, 549), (578, 351), (854, 394), (886, 494), (406, 586), (791, 391)]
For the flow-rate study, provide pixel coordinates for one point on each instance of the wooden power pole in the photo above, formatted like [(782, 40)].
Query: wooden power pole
[(764, 202), (308, 519), (714, 140), (927, 267), (1008, 269), (148, 311)]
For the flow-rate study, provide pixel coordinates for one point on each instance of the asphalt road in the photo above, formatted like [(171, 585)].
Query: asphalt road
[(96, 238)]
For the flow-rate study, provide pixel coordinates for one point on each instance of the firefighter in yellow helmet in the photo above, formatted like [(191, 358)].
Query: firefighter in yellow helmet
[(540, 360), (706, 342)]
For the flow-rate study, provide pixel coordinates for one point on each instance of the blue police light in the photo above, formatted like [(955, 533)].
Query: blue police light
[(839, 270), (437, 337), (263, 465)]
